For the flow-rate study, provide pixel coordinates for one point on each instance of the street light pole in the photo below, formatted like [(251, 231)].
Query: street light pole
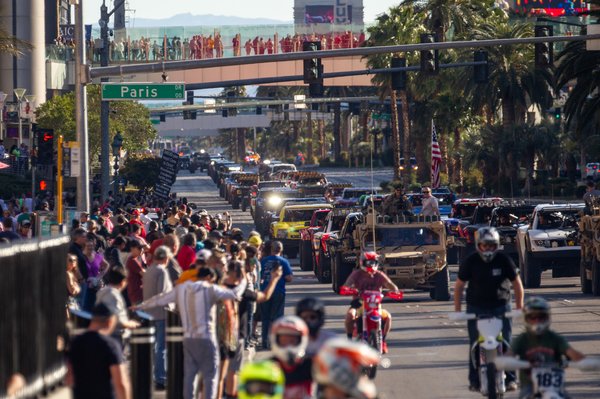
[(19, 93), (83, 182), (105, 105)]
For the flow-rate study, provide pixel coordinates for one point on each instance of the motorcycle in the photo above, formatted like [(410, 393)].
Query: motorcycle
[(490, 344), (548, 379), (372, 332)]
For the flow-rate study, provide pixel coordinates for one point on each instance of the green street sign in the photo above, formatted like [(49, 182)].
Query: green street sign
[(142, 91)]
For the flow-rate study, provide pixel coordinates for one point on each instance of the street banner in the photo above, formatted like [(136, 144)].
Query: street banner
[(436, 158), (169, 167)]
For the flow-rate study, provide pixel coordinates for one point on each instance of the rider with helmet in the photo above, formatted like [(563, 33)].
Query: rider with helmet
[(289, 340), (368, 278), (261, 380), (338, 370), (539, 344), (489, 275), (312, 311)]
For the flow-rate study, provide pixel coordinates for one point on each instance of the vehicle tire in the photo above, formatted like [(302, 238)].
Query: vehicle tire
[(324, 268), (244, 205), (441, 291), (375, 340), (235, 204), (491, 381), (335, 275), (586, 285), (532, 273), (306, 261), (595, 283)]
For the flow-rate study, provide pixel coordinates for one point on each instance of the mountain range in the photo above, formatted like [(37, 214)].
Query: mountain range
[(189, 19)]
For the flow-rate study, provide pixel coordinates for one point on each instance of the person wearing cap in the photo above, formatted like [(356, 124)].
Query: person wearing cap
[(191, 274), (430, 203), (255, 241), (156, 281), (24, 230), (135, 219), (396, 204), (95, 363)]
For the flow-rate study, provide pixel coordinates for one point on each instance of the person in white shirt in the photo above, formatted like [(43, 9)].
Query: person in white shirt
[(430, 203), (196, 304)]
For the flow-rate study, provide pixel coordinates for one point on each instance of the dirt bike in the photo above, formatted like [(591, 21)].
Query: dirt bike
[(548, 379), (490, 344), (372, 331)]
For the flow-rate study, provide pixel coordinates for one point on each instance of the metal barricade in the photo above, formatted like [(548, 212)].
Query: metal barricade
[(174, 356), (142, 356)]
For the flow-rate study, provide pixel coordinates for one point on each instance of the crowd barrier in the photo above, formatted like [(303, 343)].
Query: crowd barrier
[(33, 294)]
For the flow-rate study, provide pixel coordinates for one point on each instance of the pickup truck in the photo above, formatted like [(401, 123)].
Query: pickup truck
[(550, 241), (292, 219)]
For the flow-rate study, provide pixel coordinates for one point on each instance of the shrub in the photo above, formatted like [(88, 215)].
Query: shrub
[(141, 171)]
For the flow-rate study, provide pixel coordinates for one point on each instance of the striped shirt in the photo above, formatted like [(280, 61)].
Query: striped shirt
[(196, 304)]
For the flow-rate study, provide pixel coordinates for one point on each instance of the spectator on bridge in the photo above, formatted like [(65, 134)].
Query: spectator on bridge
[(248, 47), (269, 46), (95, 361)]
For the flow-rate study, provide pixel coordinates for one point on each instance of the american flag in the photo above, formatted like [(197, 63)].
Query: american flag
[(436, 158)]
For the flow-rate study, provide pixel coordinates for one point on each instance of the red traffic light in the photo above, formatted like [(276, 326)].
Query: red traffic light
[(48, 137), (43, 185)]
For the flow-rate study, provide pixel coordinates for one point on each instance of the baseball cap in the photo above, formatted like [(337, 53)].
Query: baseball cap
[(135, 212), (255, 241), (203, 255), (216, 234)]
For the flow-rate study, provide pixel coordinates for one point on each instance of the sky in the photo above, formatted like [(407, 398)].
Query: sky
[(272, 9)]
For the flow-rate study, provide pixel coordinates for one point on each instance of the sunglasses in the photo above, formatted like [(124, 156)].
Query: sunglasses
[(261, 387)]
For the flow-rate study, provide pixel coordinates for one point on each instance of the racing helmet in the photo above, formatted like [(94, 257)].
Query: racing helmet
[(340, 363), (369, 261), (289, 339), (487, 235), (313, 305), (536, 313), (261, 380)]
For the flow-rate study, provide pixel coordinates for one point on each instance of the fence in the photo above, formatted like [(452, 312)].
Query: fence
[(33, 294)]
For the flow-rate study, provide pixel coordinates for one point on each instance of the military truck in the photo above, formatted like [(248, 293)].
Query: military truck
[(412, 251), (589, 240)]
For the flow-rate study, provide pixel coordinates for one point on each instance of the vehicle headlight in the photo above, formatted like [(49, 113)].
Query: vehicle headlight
[(431, 259), (282, 233), (543, 243), (239, 191), (212, 162), (267, 162), (274, 201)]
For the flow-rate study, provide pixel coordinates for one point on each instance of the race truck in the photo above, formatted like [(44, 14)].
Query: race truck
[(257, 188), (507, 218), (239, 192), (225, 171), (321, 240), (252, 158), (271, 170), (215, 165), (292, 219), (589, 240), (482, 214), (412, 250), (306, 235), (267, 202), (550, 241), (350, 195), (225, 181), (309, 184), (334, 191)]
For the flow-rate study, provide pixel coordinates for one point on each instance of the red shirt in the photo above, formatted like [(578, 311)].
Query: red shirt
[(142, 230), (135, 271), (186, 257)]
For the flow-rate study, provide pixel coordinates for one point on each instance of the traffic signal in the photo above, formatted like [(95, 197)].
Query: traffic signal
[(313, 69), (316, 89), (481, 73), (258, 110), (230, 98), (190, 101), (429, 58), (224, 112), (544, 52), (45, 152), (399, 78), (163, 117), (557, 113), (43, 185)]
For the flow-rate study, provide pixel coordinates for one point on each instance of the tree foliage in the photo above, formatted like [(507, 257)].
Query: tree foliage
[(130, 118), (141, 170)]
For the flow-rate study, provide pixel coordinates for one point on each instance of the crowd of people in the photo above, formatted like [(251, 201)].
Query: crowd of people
[(223, 283), (203, 46)]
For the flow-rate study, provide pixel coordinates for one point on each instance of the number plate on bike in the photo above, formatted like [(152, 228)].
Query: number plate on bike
[(547, 379)]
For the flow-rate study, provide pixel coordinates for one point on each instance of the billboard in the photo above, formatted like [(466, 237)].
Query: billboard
[(552, 8), (328, 14)]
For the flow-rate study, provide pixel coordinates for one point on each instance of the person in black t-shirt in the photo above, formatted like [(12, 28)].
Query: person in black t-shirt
[(96, 368), (489, 275)]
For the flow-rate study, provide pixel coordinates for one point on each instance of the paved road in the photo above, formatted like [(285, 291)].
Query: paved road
[(428, 353)]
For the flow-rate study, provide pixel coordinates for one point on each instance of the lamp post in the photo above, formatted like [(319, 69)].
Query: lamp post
[(3, 96), (116, 150), (20, 93), (30, 98)]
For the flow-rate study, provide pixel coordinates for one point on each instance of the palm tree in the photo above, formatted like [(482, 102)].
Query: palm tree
[(11, 45), (400, 25), (514, 83)]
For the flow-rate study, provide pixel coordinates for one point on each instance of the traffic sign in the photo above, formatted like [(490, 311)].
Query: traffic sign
[(142, 91)]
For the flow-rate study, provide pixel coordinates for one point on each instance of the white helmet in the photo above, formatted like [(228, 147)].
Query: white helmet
[(536, 313), (487, 235), (289, 353), (340, 363)]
